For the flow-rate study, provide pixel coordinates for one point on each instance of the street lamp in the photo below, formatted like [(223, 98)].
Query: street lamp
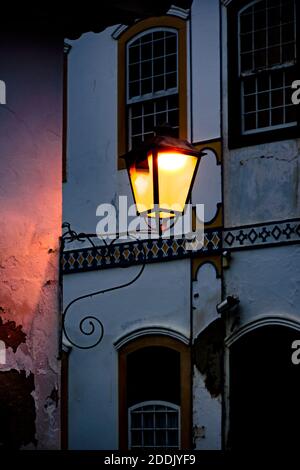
[(161, 171)]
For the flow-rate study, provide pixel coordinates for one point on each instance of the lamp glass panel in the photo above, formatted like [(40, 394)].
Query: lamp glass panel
[(175, 175), (141, 176)]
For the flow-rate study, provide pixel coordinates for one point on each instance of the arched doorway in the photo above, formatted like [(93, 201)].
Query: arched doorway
[(264, 390)]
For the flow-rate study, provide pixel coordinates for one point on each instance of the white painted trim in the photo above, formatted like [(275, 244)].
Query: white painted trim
[(259, 322), (120, 342), (173, 11)]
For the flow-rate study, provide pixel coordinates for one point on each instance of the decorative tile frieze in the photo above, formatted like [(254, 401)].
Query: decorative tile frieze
[(215, 240), (123, 254), (273, 233)]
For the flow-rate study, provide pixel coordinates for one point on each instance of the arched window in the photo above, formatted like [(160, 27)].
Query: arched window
[(154, 424), (155, 393), (263, 53), (152, 85)]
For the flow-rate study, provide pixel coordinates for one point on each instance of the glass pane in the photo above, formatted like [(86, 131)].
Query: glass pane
[(263, 100), (146, 68), (148, 438), (161, 420), (161, 118), (171, 63), (158, 66), (274, 55), (246, 23), (263, 119), (148, 420), (158, 48), (250, 121), (246, 62), (149, 123), (146, 51), (274, 16), (136, 438), (173, 118), (172, 419), (274, 36), (260, 19), (277, 116), (136, 126), (277, 98), (249, 103), (136, 110), (291, 114), (263, 82), (288, 52), (134, 89), (260, 59), (148, 107), (161, 438), (171, 44), (158, 83), (249, 85), (277, 79), (171, 80), (134, 72), (136, 420), (134, 54), (146, 86), (173, 438), (246, 42), (260, 39)]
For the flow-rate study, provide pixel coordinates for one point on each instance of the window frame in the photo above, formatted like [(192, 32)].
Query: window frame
[(162, 22), (236, 137), (172, 407), (185, 385)]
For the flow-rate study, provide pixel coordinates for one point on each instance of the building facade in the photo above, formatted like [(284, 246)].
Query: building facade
[(170, 370)]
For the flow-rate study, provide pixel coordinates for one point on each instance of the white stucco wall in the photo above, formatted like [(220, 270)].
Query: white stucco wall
[(159, 298), (30, 205)]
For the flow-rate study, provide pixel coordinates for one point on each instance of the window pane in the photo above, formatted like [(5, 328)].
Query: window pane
[(148, 438), (136, 420), (134, 72), (250, 103), (148, 420), (277, 98), (277, 116), (274, 55), (250, 121), (158, 66), (161, 118), (171, 44), (158, 48), (246, 24), (246, 42), (246, 62), (171, 63), (263, 119), (288, 52), (274, 36), (136, 438), (171, 80), (146, 51), (146, 86), (249, 85), (146, 69), (159, 83), (263, 100), (134, 54), (161, 438), (134, 89), (148, 107), (291, 114)]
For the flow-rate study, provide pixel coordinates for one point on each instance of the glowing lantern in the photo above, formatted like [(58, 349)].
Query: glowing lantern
[(161, 172)]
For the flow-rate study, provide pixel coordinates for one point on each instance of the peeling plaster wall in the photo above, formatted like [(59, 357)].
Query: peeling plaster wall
[(207, 411), (30, 206)]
